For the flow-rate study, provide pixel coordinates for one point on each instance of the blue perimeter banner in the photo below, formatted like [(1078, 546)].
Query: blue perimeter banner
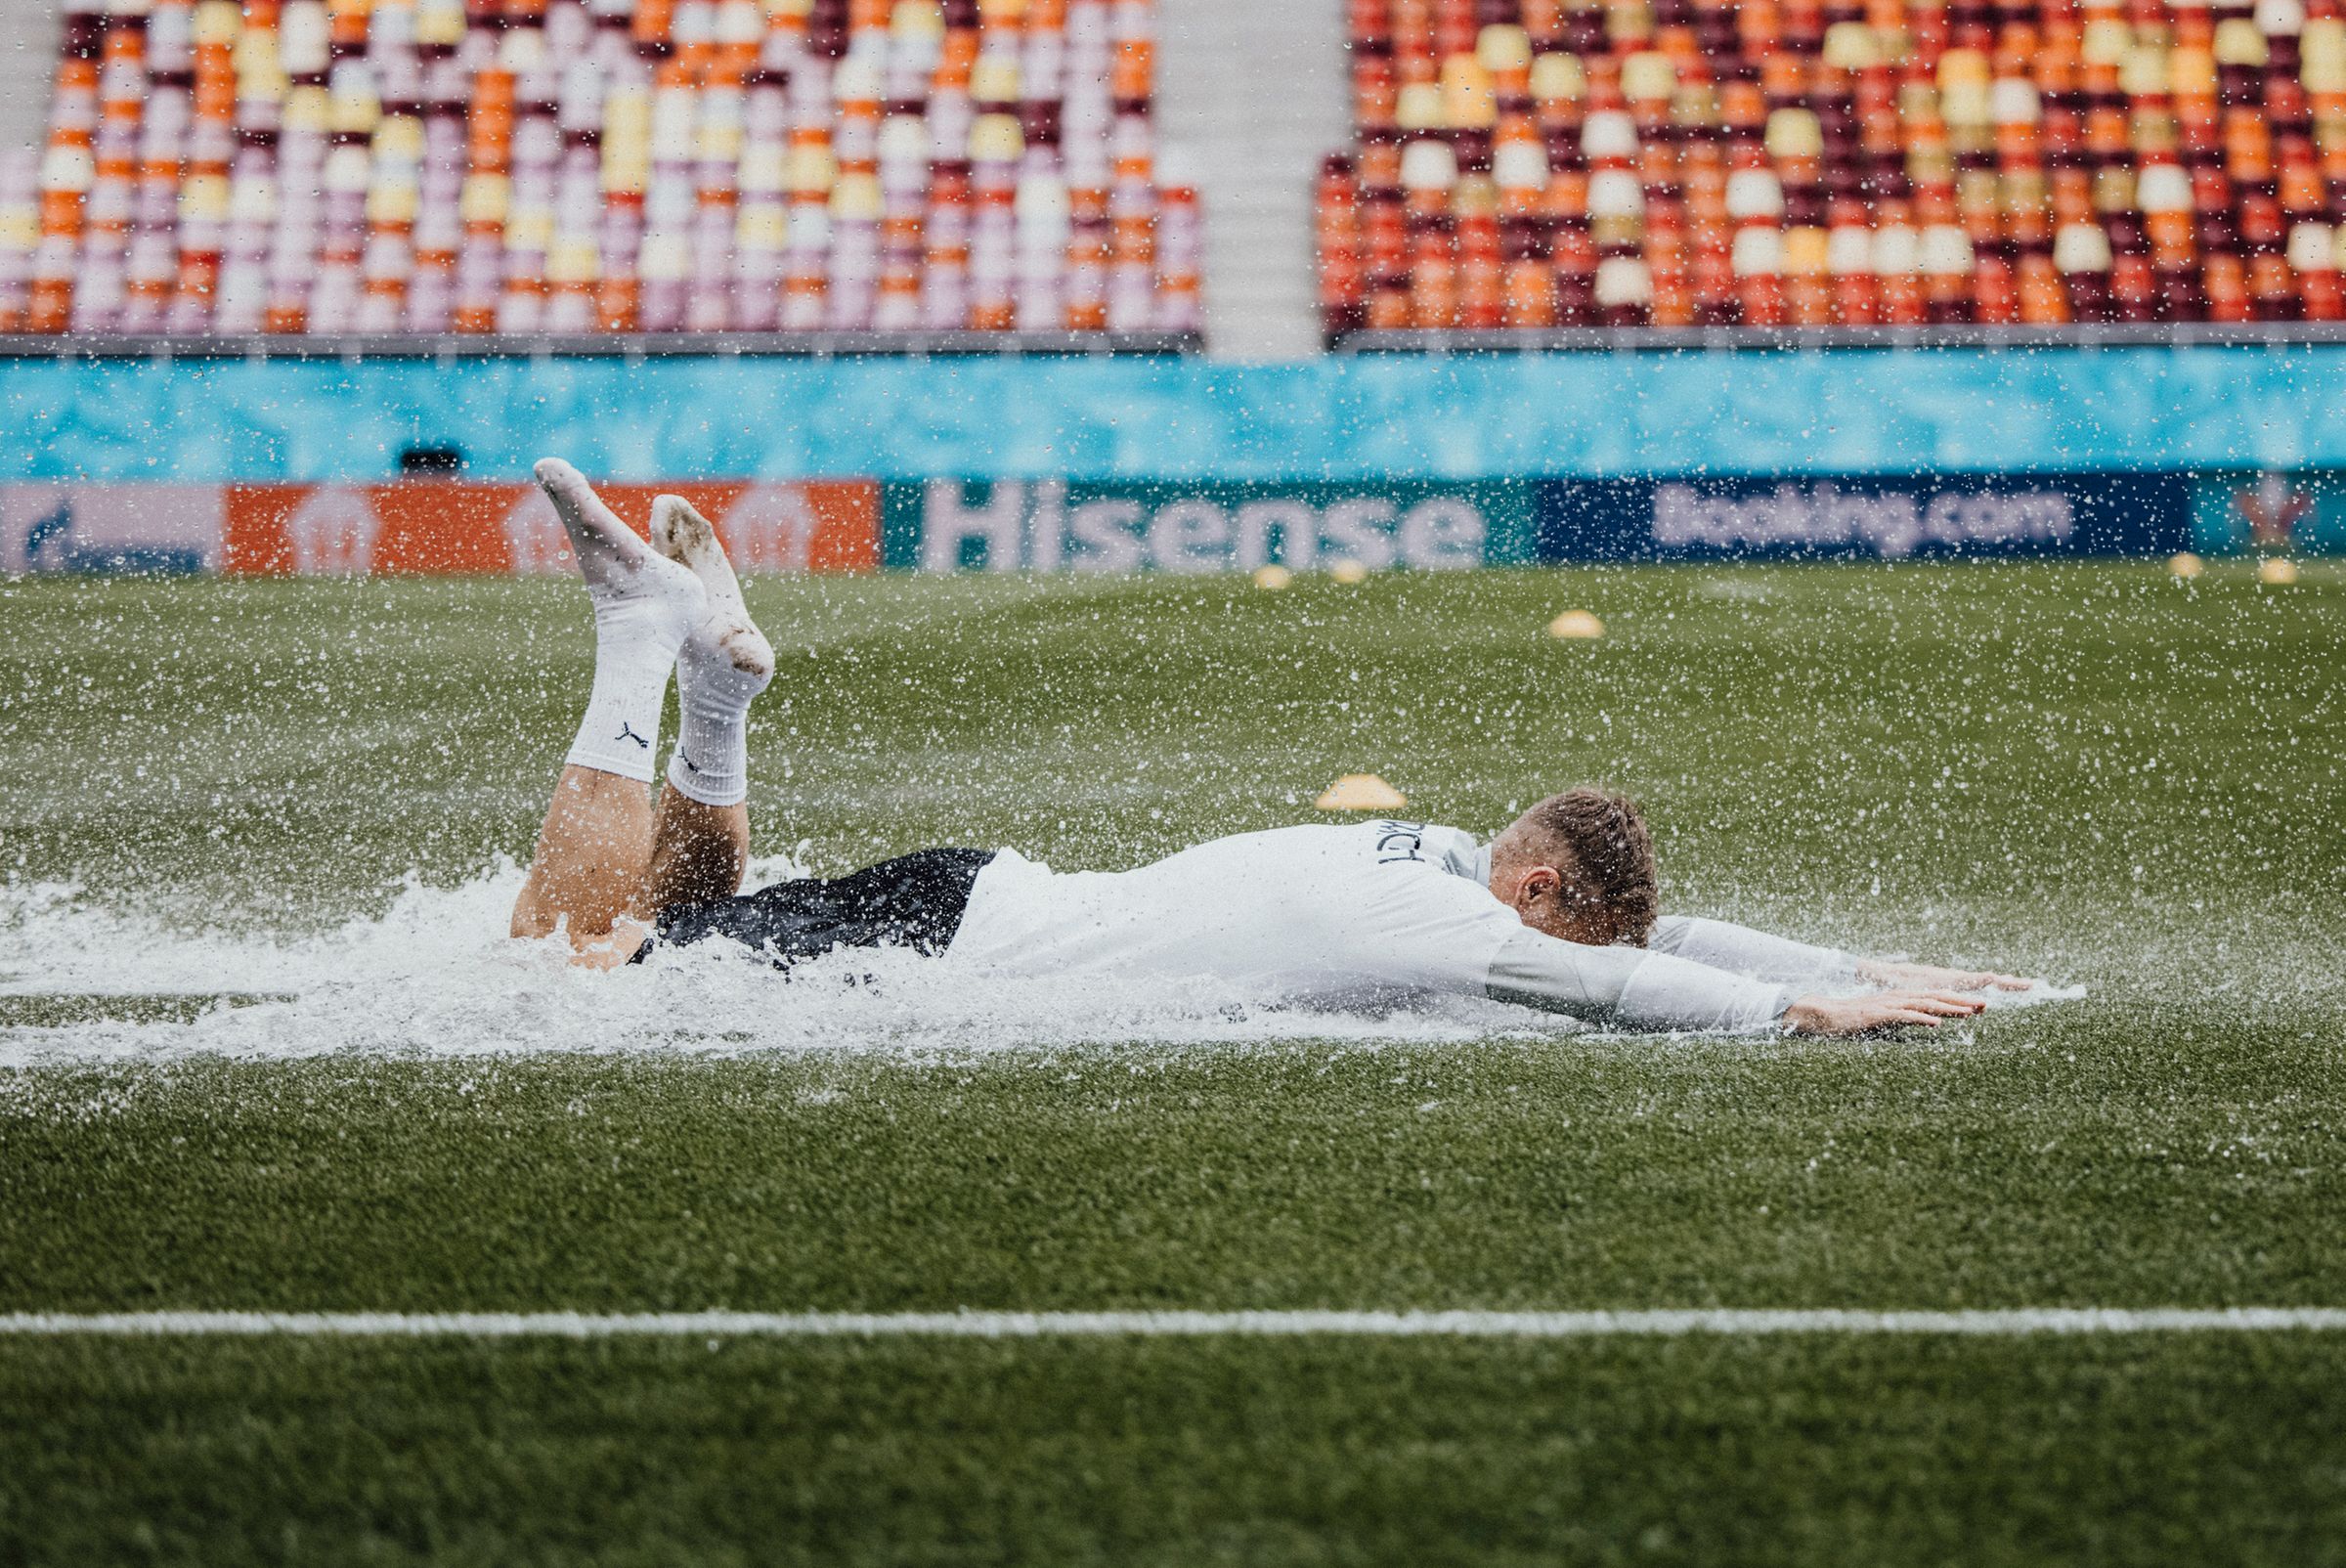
[(2302, 514), (1052, 525), (1055, 525), (1936, 516), (1369, 420)]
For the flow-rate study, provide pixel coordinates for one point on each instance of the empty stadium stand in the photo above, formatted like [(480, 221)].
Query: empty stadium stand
[(1254, 95), (1536, 166), (558, 169)]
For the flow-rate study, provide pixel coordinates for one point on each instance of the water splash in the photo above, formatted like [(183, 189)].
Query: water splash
[(435, 975)]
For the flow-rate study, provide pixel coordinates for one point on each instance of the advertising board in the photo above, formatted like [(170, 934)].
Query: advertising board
[(1050, 525), (1934, 515), (411, 526)]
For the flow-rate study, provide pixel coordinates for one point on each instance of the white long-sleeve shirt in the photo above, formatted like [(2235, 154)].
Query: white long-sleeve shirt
[(1364, 914)]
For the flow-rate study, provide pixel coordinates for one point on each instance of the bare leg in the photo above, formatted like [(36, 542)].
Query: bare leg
[(596, 845), (605, 853), (592, 855), (698, 853)]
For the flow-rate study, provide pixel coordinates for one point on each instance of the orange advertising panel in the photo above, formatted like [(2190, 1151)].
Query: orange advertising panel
[(433, 526)]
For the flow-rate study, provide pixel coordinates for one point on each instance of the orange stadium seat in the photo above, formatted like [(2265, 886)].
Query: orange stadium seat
[(1837, 162), (576, 167)]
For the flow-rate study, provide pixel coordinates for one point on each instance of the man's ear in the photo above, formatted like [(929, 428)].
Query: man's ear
[(1540, 882)]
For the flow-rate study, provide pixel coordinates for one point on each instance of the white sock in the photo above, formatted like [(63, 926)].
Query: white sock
[(644, 608), (724, 663), (635, 648), (710, 764)]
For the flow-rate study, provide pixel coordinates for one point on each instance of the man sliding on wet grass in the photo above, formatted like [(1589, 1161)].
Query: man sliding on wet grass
[(1558, 912)]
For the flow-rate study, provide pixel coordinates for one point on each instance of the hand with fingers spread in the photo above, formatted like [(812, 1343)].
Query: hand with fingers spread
[(1899, 977), (1872, 1014)]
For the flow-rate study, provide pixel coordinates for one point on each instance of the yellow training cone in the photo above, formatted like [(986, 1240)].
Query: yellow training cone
[(1349, 573), (2186, 565), (2277, 571), (1272, 577), (1576, 624), (1360, 791)]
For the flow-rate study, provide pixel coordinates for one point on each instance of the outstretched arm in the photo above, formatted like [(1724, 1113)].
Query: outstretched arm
[(1631, 986), (1641, 990), (1741, 950), (1931, 976), (1744, 951)]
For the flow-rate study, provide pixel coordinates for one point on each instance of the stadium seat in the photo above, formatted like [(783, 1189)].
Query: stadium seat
[(1782, 162), (579, 166)]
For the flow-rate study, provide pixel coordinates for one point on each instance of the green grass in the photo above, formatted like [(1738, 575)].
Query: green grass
[(1756, 1453), (2087, 770)]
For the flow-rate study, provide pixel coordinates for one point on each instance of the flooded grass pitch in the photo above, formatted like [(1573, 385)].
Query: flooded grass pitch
[(2095, 773), (262, 1047)]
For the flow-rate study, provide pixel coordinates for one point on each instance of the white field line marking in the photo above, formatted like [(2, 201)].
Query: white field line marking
[(1176, 1324)]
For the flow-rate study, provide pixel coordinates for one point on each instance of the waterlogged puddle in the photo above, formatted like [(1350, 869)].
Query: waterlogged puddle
[(435, 975)]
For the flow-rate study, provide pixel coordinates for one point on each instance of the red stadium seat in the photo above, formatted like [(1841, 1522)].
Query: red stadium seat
[(1689, 162), (579, 166)]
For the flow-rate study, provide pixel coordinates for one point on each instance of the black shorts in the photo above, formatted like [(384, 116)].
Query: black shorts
[(914, 901)]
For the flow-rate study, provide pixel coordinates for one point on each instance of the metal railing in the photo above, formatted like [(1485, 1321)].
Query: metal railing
[(631, 346), (1615, 339)]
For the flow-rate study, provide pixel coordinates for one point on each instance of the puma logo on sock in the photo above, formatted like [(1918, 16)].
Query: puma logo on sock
[(627, 733)]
